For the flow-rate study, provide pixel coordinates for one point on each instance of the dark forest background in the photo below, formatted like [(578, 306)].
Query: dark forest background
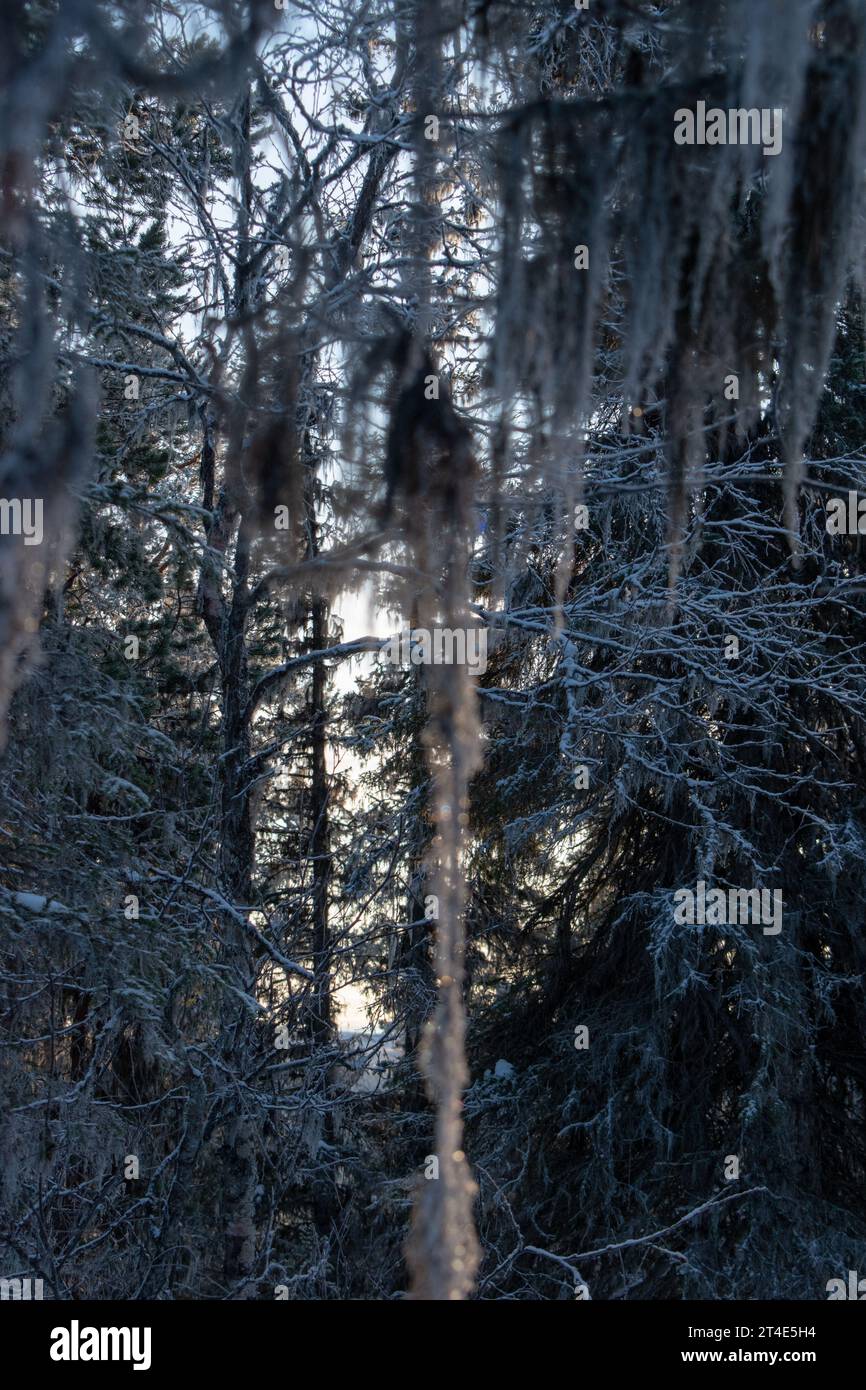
[(298, 347)]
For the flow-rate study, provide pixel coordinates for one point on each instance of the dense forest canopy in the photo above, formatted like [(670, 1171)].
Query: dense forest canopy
[(522, 958)]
